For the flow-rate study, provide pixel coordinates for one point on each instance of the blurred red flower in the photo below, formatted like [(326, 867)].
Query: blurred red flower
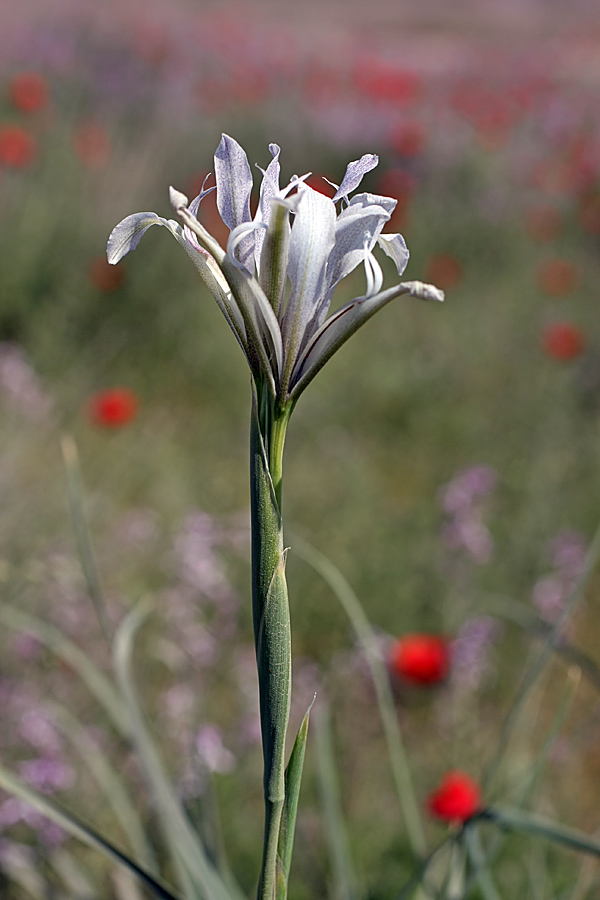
[(104, 276), (444, 270), (557, 277), (563, 341), (589, 213), (457, 798), (408, 138), (28, 91), (381, 80), (420, 658), (113, 408), (543, 222), (17, 146), (92, 145)]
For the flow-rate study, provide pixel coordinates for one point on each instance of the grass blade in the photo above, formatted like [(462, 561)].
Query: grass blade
[(479, 860), (513, 819), (110, 782), (83, 832), (391, 727), (187, 850), (335, 828), (82, 531), (541, 658), (67, 650)]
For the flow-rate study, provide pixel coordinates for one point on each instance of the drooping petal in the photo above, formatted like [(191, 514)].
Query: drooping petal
[(234, 186), (354, 175), (394, 246), (354, 224), (311, 241), (342, 325), (128, 233)]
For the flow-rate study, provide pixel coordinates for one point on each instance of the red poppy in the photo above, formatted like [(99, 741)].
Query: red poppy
[(408, 138), (457, 798), (381, 80), (92, 145), (557, 277), (106, 277), (543, 222), (28, 91), (113, 408), (17, 146), (563, 341), (444, 270), (420, 658)]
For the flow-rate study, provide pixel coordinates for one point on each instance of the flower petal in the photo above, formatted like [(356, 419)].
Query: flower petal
[(128, 233), (343, 323), (394, 246), (354, 175), (311, 241), (268, 190), (234, 186)]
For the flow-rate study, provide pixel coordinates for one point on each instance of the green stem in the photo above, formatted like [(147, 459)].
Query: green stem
[(271, 617)]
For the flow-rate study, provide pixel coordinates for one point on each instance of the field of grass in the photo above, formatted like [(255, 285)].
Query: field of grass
[(445, 461)]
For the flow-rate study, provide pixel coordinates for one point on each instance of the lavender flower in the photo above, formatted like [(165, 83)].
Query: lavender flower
[(462, 499), (470, 651), (567, 552)]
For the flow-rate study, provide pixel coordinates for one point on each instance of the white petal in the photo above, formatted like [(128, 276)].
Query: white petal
[(128, 233), (394, 246), (354, 175)]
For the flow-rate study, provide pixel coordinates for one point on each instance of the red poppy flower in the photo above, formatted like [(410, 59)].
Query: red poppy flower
[(563, 341), (105, 277), (557, 277), (17, 146), (543, 222), (444, 270), (456, 799), (92, 145), (28, 91), (113, 408), (408, 138), (420, 658)]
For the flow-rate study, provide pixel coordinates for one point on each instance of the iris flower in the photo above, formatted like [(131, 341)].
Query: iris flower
[(275, 281)]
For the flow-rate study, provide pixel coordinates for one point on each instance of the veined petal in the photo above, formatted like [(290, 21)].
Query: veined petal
[(234, 186), (353, 226), (269, 188), (343, 323), (272, 272), (128, 233), (394, 246), (354, 175), (311, 241)]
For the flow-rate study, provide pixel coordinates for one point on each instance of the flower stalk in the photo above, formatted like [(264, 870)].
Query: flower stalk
[(274, 283), (272, 627)]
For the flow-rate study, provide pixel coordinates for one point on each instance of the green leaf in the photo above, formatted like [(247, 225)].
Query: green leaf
[(520, 820), (189, 856), (293, 780), (83, 832)]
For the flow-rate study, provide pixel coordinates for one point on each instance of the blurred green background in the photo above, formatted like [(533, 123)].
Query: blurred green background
[(486, 124)]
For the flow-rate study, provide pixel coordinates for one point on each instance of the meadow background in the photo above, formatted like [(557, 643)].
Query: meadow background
[(446, 460)]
